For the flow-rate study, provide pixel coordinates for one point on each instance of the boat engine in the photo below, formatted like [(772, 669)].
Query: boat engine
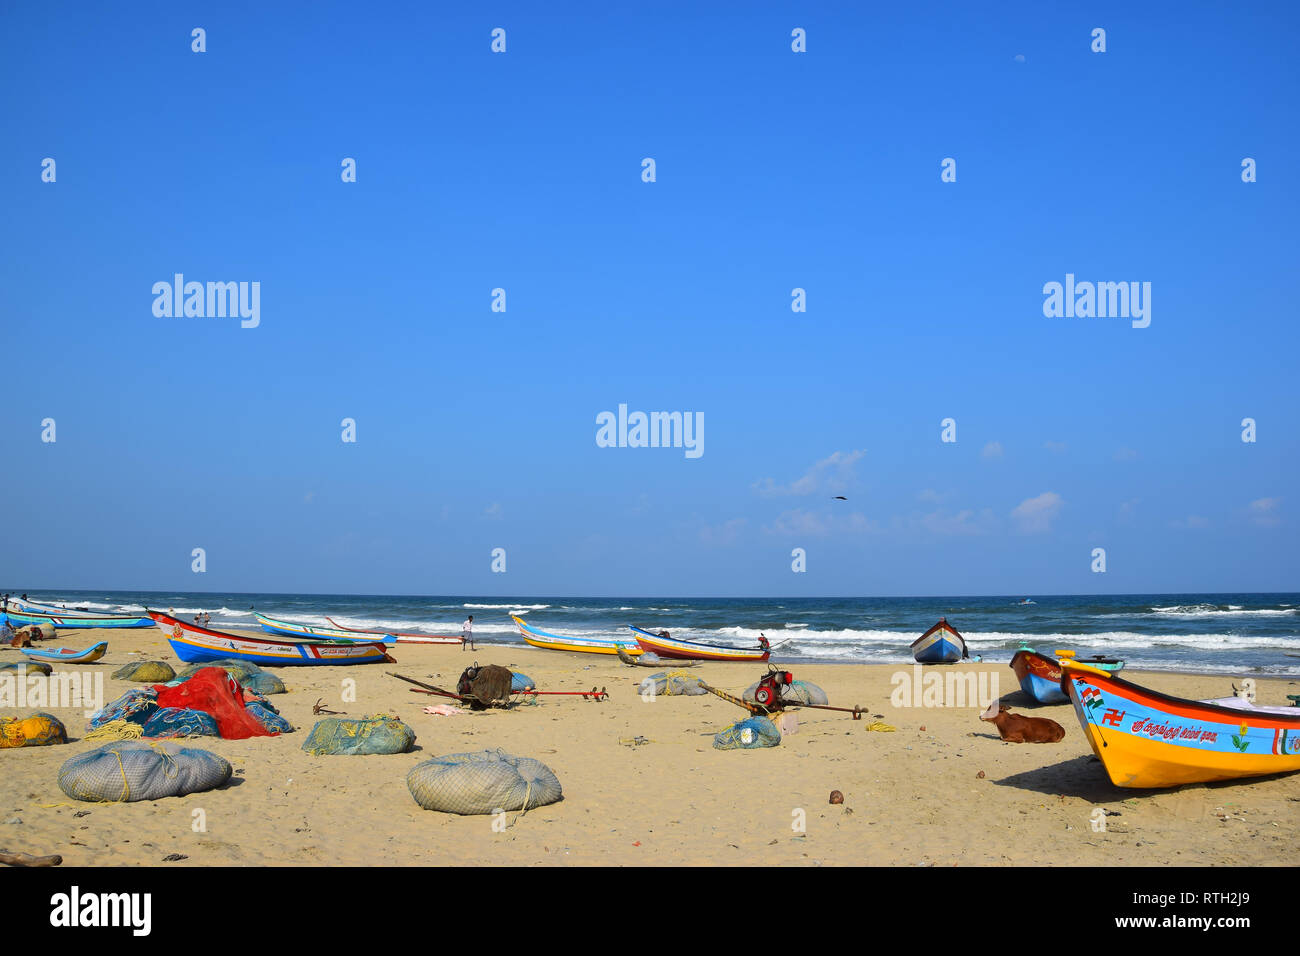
[(771, 688)]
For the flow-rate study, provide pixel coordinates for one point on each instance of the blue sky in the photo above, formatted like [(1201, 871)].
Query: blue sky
[(775, 170)]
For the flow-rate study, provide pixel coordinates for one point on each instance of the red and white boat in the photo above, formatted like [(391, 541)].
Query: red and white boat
[(401, 637), (665, 645)]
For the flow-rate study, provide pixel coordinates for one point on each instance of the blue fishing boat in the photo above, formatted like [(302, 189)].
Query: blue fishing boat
[(941, 644), (1040, 675), (67, 655)]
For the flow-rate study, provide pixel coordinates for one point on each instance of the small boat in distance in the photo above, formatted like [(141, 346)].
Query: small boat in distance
[(1146, 739), (66, 655), (402, 637), (194, 644), (1040, 675), (665, 645), (536, 637), (941, 644)]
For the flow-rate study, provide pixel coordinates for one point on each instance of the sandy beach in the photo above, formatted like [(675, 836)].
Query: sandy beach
[(942, 790)]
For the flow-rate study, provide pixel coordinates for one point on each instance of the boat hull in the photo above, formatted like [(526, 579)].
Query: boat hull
[(1145, 739), (71, 620), (195, 645), (691, 651), (941, 644), (536, 637), (1040, 676), (401, 637), (316, 632), (60, 655)]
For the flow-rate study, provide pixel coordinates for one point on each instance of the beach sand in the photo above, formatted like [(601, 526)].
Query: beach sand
[(911, 797)]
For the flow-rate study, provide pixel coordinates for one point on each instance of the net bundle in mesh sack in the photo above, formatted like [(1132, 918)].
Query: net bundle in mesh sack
[(520, 682), (34, 730), (798, 692), (672, 685), (180, 722), (130, 770), (26, 667), (751, 733), (380, 734), (269, 717), (246, 674), (135, 706), (483, 782), (150, 672)]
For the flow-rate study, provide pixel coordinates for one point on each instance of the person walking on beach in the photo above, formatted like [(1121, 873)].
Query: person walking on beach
[(467, 633)]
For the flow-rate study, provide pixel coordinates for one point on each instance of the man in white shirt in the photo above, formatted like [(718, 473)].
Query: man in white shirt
[(467, 633)]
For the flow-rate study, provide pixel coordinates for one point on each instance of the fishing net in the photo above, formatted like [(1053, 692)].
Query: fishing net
[(264, 683), (269, 718), (34, 730), (26, 667), (180, 722), (799, 692), (248, 674), (133, 770), (675, 684), (150, 672), (520, 682), (215, 692), (748, 734), (484, 782), (378, 734), (135, 706)]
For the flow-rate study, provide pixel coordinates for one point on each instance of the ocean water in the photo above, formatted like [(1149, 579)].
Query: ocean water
[(1209, 633)]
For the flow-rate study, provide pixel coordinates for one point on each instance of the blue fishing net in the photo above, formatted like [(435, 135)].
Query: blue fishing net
[(269, 718), (136, 705), (180, 722), (368, 735), (135, 770), (520, 682), (748, 734)]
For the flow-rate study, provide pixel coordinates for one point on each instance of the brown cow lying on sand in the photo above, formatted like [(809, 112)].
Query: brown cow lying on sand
[(1018, 729)]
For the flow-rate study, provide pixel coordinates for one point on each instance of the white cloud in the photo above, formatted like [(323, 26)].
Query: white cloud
[(966, 521), (833, 474), (722, 534), (801, 522), (1036, 514), (1265, 512)]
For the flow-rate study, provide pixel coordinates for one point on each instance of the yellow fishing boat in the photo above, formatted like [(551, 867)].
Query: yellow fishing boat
[(1148, 739), (585, 645)]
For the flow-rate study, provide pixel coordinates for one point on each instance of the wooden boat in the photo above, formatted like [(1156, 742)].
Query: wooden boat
[(194, 643), (1148, 739), (666, 646), (36, 607), (29, 613), (586, 645), (1040, 675), (67, 655), (328, 635), (941, 644), (402, 637), (75, 619)]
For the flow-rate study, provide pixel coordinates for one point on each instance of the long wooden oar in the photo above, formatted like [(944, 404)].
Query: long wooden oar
[(756, 709), (431, 689)]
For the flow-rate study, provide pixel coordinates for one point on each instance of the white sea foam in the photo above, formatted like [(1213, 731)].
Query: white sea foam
[(519, 608)]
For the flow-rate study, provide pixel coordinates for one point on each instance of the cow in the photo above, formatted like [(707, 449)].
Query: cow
[(1018, 729)]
